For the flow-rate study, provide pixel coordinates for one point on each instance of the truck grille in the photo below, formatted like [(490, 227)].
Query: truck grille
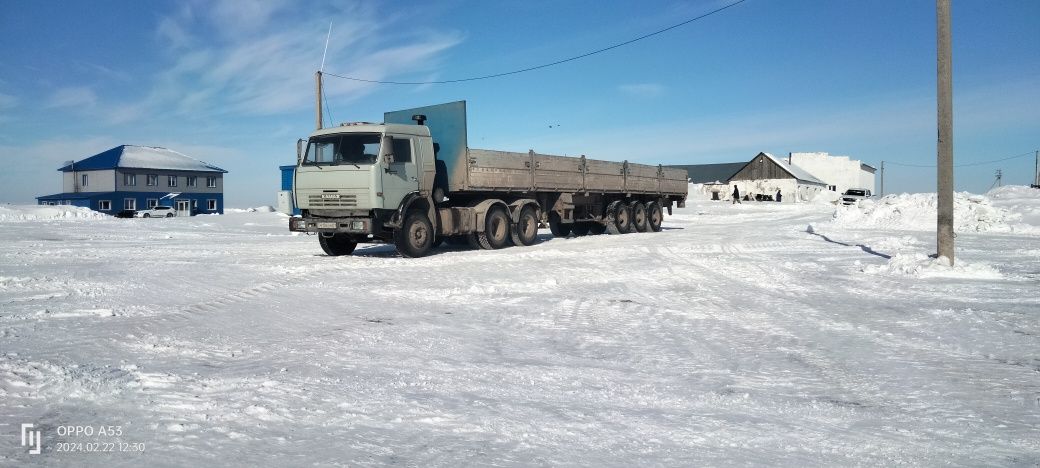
[(344, 201)]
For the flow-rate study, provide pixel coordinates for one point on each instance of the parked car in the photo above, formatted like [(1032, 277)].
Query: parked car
[(853, 195), (158, 212), (127, 214)]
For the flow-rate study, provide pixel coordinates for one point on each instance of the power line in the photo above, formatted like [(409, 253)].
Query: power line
[(571, 59), (978, 163)]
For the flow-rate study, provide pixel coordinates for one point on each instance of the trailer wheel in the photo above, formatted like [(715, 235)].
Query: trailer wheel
[(525, 231), (619, 217), (639, 223), (581, 229), (556, 227), (338, 244), (496, 230), (654, 216), (415, 236), (596, 228)]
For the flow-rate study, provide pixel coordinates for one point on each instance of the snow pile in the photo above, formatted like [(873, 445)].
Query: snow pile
[(9, 213), (255, 209), (1019, 199), (919, 265), (917, 212)]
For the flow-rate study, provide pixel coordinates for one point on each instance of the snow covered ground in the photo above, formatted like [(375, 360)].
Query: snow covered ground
[(743, 334)]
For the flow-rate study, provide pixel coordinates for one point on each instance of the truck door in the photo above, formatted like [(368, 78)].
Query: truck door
[(402, 176)]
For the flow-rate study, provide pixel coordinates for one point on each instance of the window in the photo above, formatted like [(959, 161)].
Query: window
[(153, 180), (130, 179), (211, 182), (67, 202), (194, 204), (84, 180), (104, 205), (171, 181), (402, 150), (129, 203), (152, 202), (211, 205), (193, 181), (351, 148)]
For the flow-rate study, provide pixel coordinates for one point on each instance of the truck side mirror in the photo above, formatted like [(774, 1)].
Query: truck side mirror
[(299, 151), (387, 146)]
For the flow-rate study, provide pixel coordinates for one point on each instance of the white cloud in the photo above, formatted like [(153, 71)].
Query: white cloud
[(77, 96), (259, 57), (644, 90)]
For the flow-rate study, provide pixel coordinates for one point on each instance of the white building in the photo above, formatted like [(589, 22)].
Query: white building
[(840, 173)]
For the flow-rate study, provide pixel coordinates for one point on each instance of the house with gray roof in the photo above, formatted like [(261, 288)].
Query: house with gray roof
[(130, 177)]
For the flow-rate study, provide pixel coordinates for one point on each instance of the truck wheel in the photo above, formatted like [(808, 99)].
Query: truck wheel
[(596, 228), (338, 244), (581, 229), (525, 231), (619, 217), (496, 230), (556, 227), (654, 216), (639, 217), (415, 236)]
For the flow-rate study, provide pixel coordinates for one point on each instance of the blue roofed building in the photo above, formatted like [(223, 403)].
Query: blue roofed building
[(130, 177)]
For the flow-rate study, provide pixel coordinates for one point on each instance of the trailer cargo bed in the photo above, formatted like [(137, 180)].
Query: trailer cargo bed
[(503, 171)]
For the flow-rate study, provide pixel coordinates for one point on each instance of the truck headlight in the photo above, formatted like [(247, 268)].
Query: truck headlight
[(357, 225)]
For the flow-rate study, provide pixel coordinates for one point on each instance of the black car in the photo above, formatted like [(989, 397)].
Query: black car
[(126, 214)]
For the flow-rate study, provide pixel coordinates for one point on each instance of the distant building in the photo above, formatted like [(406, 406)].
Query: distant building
[(839, 172), (286, 204), (711, 173), (131, 177), (766, 174)]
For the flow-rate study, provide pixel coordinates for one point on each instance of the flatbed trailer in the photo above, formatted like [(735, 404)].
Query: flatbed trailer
[(422, 184)]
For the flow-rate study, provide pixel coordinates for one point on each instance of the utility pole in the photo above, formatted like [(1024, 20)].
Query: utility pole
[(317, 100), (944, 82), (999, 176), (882, 178), (1036, 177)]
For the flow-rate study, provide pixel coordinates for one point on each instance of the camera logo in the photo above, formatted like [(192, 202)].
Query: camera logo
[(31, 438)]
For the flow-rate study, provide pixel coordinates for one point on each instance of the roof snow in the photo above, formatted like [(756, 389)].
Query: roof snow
[(141, 157), (797, 172)]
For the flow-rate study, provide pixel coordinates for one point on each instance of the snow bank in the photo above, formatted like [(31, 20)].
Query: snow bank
[(256, 209), (917, 212), (1019, 199), (919, 265), (15, 213)]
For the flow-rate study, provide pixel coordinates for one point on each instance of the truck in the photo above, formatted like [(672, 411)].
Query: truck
[(413, 181)]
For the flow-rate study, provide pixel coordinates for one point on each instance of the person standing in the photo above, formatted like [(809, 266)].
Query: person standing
[(779, 196), (736, 194)]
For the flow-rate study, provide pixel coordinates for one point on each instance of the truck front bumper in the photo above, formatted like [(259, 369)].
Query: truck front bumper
[(351, 225)]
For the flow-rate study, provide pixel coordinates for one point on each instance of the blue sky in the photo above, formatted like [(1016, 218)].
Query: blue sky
[(231, 82)]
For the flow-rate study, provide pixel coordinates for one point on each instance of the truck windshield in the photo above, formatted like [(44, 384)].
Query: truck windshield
[(350, 148), (858, 193)]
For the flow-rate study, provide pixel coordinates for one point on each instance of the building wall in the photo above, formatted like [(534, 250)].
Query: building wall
[(841, 171), (117, 199), (163, 183), (866, 180), (97, 181)]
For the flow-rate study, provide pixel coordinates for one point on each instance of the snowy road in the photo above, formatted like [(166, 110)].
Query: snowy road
[(733, 337)]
